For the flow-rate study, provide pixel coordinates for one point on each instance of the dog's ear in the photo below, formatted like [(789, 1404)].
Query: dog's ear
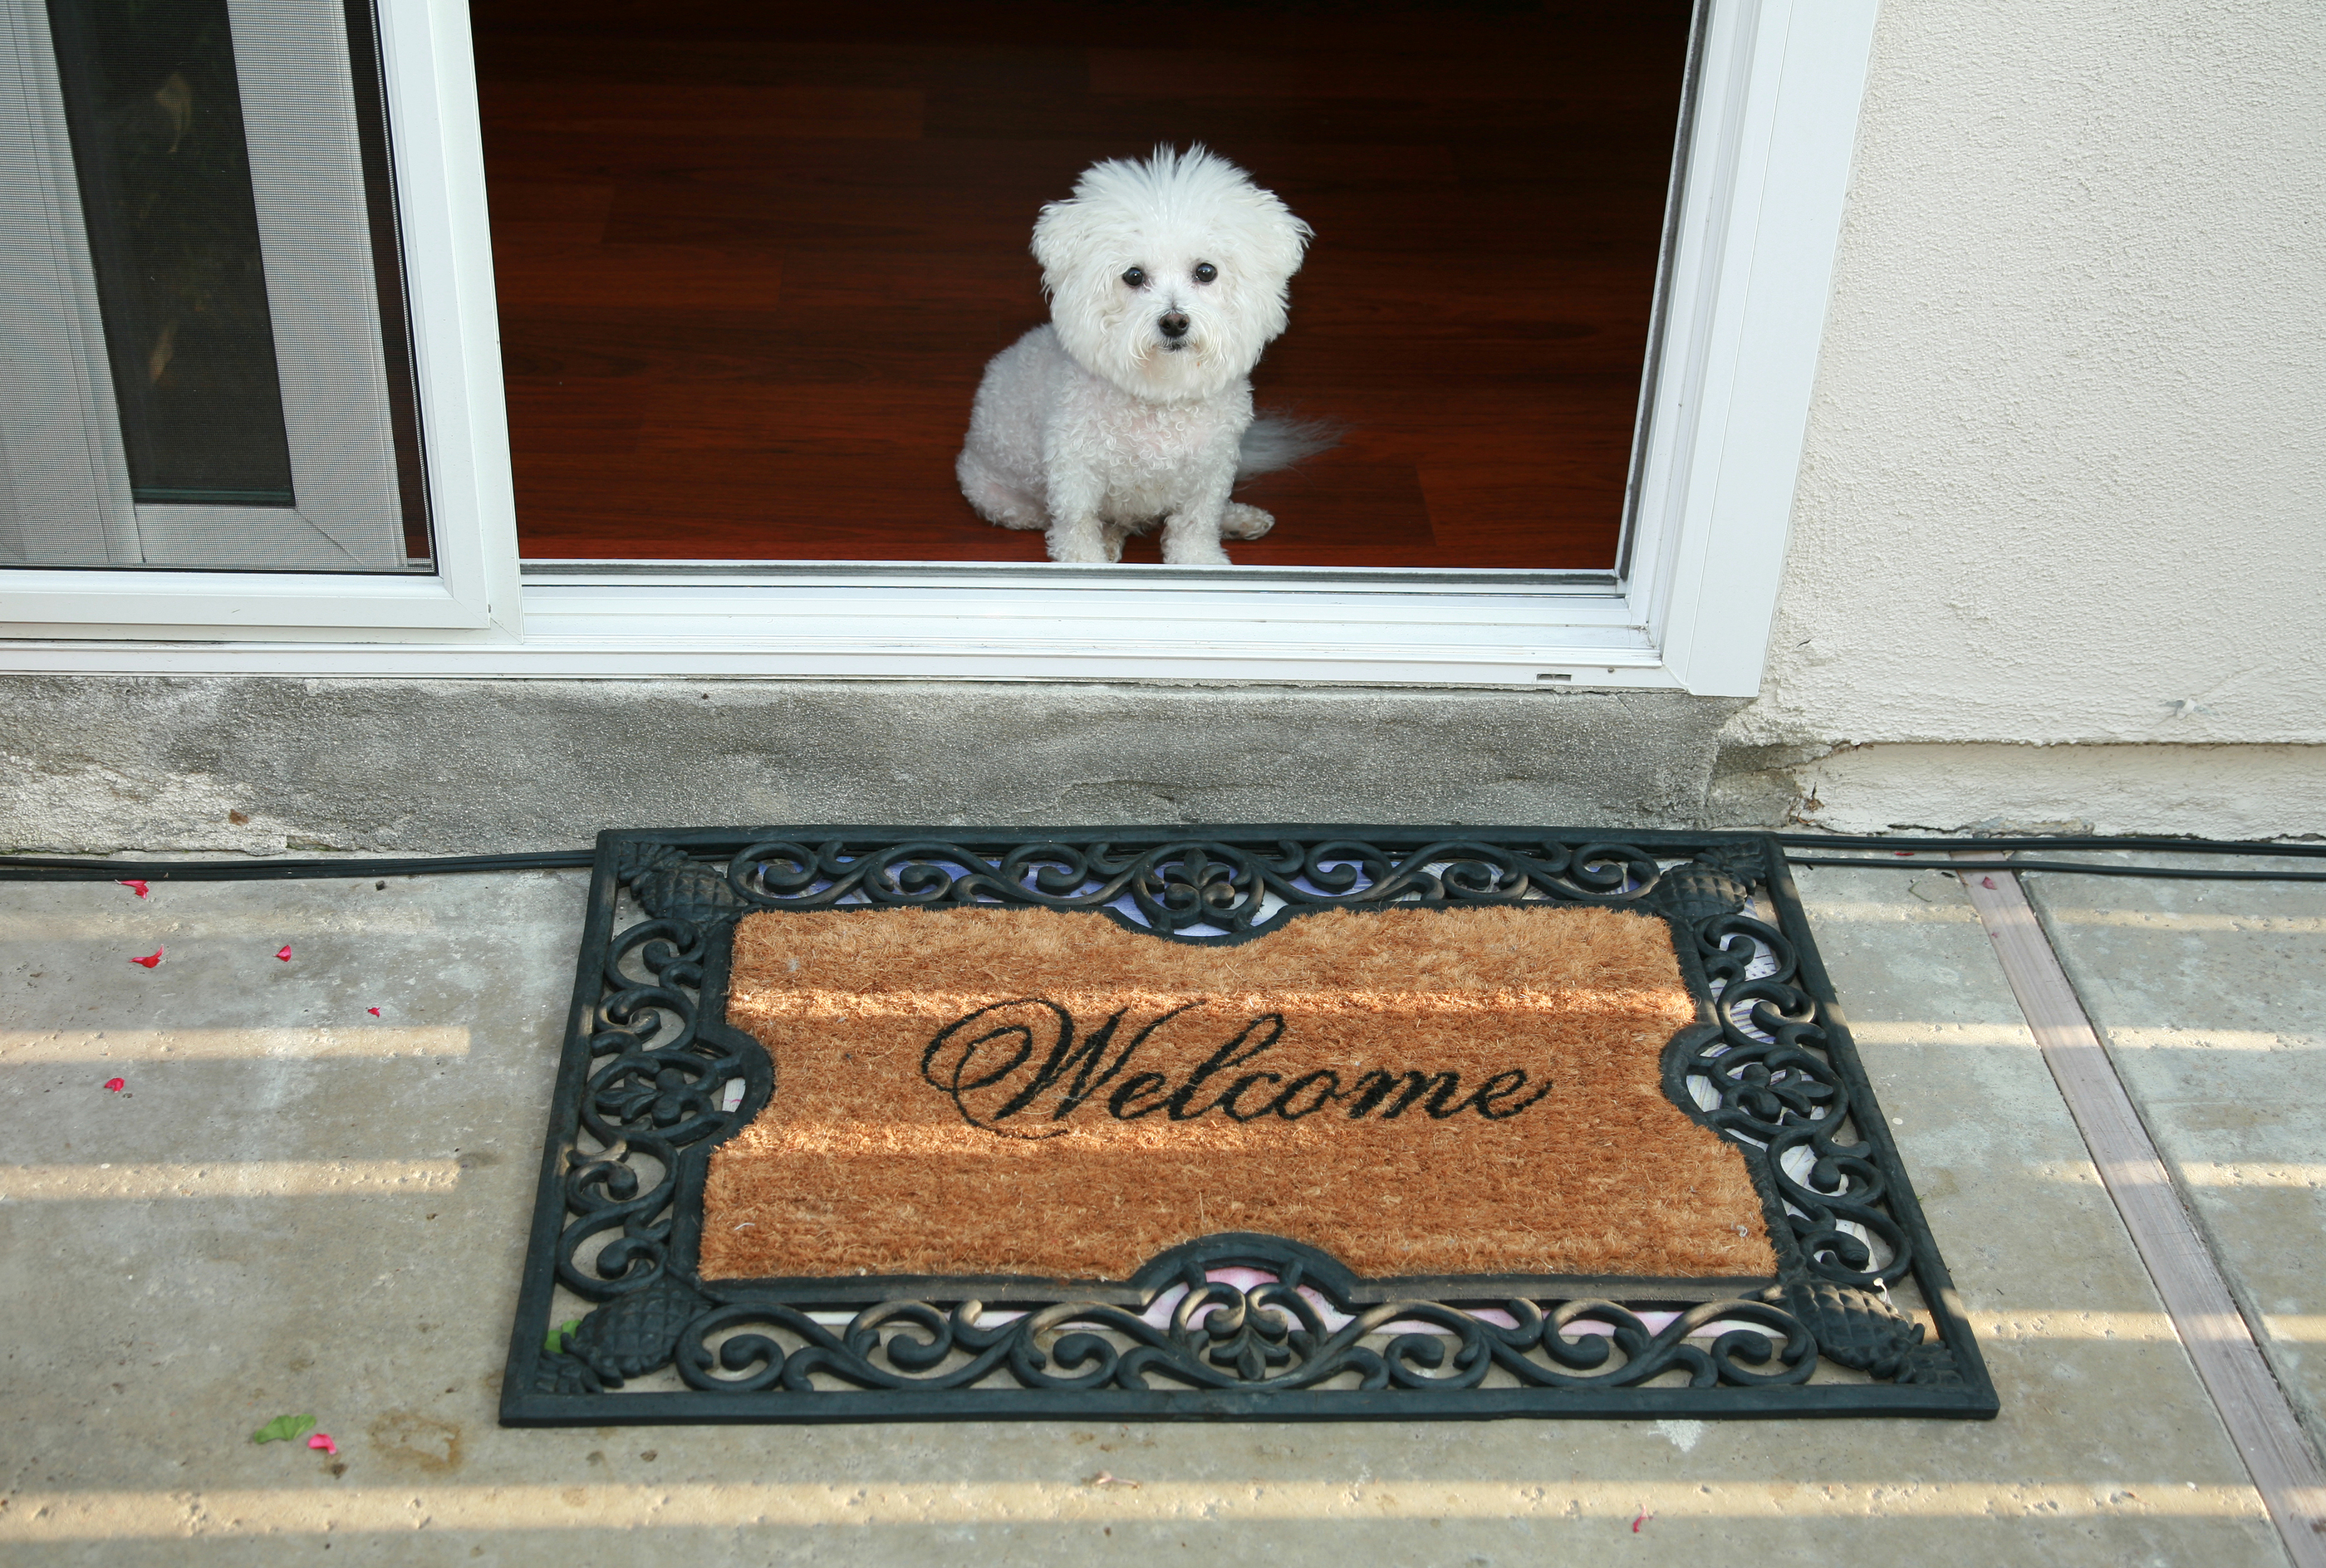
[(1282, 238), (1062, 236)]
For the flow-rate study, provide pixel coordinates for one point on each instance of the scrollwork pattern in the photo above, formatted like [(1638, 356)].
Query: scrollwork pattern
[(1768, 1060), (1270, 1336), (657, 1093), (657, 1075), (1175, 886)]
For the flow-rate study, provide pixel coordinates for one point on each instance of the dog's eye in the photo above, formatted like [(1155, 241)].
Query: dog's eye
[(1135, 277), (1206, 272)]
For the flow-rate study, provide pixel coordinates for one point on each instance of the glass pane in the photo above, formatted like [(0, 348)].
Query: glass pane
[(155, 113)]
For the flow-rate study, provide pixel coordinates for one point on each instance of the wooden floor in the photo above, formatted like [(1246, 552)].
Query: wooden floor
[(753, 258)]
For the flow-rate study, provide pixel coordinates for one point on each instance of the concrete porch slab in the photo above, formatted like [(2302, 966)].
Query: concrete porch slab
[(2208, 997), (297, 1207)]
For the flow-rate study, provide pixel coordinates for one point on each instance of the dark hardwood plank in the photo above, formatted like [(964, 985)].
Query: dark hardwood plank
[(712, 112), (565, 272)]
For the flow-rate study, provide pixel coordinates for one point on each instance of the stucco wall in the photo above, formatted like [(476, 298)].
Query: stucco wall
[(2065, 476)]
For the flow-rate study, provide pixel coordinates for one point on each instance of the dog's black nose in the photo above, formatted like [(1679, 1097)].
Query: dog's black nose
[(1174, 325)]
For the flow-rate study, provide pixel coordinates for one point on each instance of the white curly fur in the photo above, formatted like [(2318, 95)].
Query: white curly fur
[(1107, 420)]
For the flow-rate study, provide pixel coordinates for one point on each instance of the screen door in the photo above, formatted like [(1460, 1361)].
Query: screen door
[(207, 361)]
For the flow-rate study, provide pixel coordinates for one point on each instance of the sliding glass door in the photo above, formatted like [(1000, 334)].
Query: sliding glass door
[(207, 360)]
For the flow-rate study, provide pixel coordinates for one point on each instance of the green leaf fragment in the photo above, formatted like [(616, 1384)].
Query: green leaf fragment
[(556, 1343), (283, 1429)]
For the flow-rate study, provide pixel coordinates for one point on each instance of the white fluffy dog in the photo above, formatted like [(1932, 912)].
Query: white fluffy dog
[(1131, 408)]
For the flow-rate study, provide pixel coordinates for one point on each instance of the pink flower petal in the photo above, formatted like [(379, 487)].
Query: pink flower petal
[(137, 887), (322, 1440), (116, 1084), (284, 952), (150, 959)]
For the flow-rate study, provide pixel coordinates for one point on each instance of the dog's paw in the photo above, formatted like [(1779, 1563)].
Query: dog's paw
[(1082, 547), (1244, 521), (1193, 552)]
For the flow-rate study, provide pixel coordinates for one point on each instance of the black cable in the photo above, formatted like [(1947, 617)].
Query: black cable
[(32, 868), (2073, 868), (36, 868), (2050, 841)]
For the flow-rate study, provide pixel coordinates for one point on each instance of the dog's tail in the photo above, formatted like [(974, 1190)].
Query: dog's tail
[(1273, 442)]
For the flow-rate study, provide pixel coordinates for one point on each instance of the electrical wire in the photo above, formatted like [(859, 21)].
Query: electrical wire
[(34, 869), (2072, 868), (39, 868), (2050, 842), (1902, 849)]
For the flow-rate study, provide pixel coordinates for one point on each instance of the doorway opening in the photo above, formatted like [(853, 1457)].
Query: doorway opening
[(752, 259)]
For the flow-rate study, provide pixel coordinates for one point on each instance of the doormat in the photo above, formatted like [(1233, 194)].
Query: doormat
[(1413, 1090), (866, 1124)]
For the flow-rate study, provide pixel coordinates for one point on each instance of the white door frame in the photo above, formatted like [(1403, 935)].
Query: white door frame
[(1777, 89)]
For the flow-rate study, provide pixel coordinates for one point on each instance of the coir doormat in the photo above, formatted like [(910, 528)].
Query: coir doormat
[(1032, 1091), (1276, 1122)]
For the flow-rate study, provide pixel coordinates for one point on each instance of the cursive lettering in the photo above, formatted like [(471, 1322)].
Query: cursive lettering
[(1004, 1062)]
